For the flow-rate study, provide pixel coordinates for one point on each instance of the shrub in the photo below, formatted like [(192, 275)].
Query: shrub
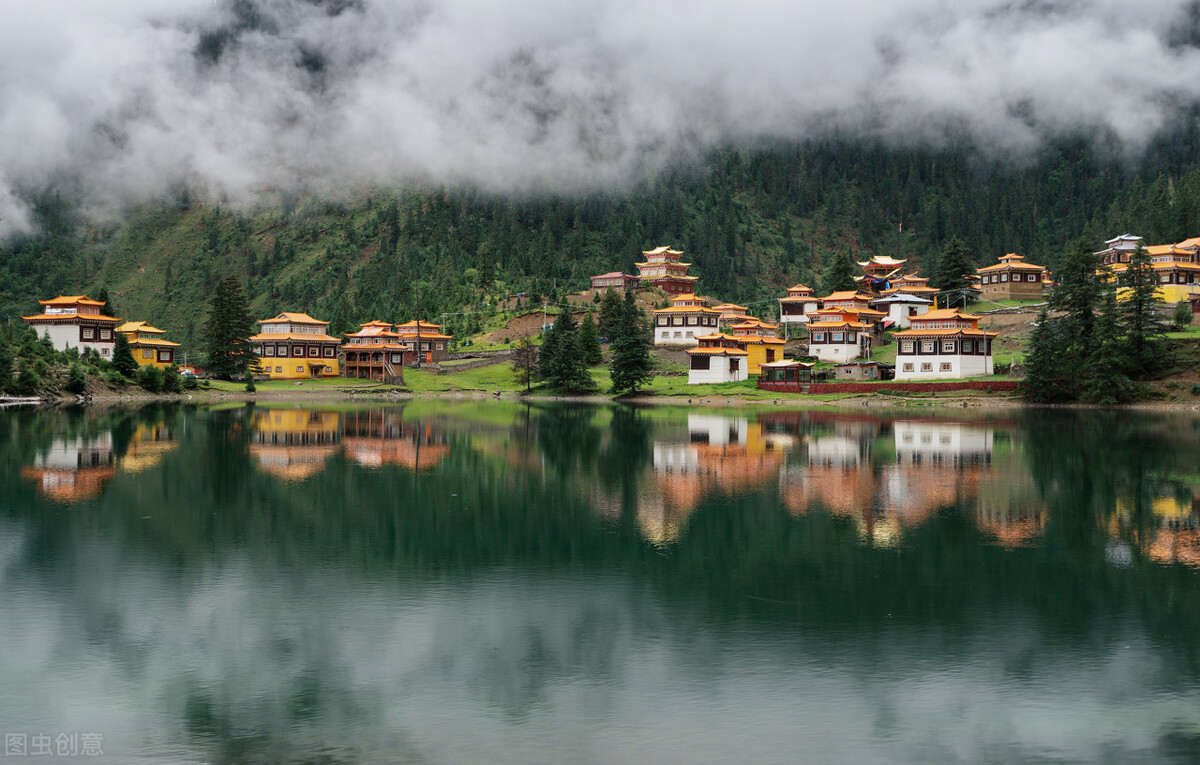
[(250, 385), (190, 382), (1196, 389), (1182, 316), (172, 382), (28, 382), (76, 379), (150, 378), (115, 378)]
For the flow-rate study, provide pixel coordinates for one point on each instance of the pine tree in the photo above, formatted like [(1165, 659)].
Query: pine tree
[(631, 364), (588, 345), (228, 331), (839, 276), (1107, 382), (953, 275), (612, 308), (103, 297), (1077, 294), (1144, 326), (123, 360), (1045, 379), (6, 368)]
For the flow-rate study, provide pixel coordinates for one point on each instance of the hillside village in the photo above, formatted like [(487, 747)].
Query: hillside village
[(892, 326)]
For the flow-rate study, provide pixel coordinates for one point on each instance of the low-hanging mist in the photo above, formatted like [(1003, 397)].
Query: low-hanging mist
[(122, 101)]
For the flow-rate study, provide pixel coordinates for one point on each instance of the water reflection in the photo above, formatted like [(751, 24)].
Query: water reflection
[(459, 582)]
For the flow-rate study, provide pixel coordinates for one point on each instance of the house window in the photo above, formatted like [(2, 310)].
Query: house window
[(929, 346), (907, 347), (279, 369), (735, 366), (328, 369), (678, 334), (396, 358), (968, 346), (1003, 277), (927, 367), (948, 346), (837, 337), (818, 337), (269, 350), (147, 354), (88, 333), (439, 346), (314, 350), (945, 366), (106, 334), (299, 369), (165, 356), (699, 362), (329, 351), (851, 337)]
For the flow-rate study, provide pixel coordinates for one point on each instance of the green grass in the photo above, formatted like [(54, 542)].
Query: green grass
[(989, 305), (1187, 333), (490, 378)]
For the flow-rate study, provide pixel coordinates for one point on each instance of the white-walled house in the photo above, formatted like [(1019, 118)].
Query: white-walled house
[(839, 340), (943, 344), (75, 321), (688, 318), (719, 359), (901, 307)]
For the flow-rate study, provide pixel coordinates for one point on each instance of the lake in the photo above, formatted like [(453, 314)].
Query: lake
[(459, 582)]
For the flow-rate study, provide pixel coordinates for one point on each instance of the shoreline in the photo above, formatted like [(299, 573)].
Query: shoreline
[(799, 401)]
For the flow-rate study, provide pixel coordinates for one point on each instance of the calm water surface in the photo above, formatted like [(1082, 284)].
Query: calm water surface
[(475, 582)]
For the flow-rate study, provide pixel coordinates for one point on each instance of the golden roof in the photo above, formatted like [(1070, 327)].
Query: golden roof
[(836, 324), (293, 317), (847, 295), (662, 250), (688, 309), (967, 331), (269, 336), (137, 342), (717, 351), (941, 314), (71, 300)]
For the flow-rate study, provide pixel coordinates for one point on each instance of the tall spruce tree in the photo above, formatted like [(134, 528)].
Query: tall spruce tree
[(1106, 381), (228, 331), (6, 367), (564, 367), (123, 360), (1077, 294), (953, 275), (630, 366), (1140, 317), (588, 345), (1046, 380), (839, 275), (611, 311)]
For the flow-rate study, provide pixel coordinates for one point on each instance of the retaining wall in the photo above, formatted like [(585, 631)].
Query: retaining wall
[(872, 387)]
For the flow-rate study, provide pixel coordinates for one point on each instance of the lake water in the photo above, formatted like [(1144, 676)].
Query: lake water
[(488, 582)]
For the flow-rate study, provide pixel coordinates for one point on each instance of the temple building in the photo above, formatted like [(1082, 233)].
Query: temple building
[(941, 344), (839, 338), (731, 313), (761, 342), (682, 324), (900, 307), (434, 343), (663, 269), (375, 352), (294, 346), (75, 321), (1176, 268), (614, 280), (857, 300), (1012, 279), (798, 306), (1119, 249), (911, 284), (718, 359), (147, 344), (878, 273)]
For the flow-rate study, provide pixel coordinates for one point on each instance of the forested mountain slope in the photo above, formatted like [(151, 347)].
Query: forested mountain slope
[(752, 222)]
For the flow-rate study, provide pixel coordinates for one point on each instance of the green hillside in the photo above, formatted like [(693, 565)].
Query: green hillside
[(752, 222)]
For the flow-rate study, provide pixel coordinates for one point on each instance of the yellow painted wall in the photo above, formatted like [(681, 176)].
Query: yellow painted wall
[(288, 365), (758, 356), (139, 357)]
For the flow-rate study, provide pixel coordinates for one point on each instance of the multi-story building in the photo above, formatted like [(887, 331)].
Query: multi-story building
[(375, 352), (615, 280), (945, 343), (911, 284), (1119, 249), (878, 273), (295, 345), (839, 338), (434, 345), (761, 341), (798, 306), (731, 313), (900, 307), (663, 269), (147, 344), (75, 321), (1012, 279), (682, 324), (718, 359), (1176, 269)]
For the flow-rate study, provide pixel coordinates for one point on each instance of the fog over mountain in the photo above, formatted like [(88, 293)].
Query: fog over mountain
[(124, 100)]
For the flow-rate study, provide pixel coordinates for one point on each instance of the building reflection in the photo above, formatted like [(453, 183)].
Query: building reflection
[(381, 437), (727, 454), (1172, 534), (73, 468), (293, 444), (147, 447)]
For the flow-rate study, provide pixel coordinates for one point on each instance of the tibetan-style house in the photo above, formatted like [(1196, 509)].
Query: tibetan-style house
[(719, 358), (945, 343), (147, 344), (1012, 279), (615, 280), (434, 343), (75, 321), (878, 273), (294, 346), (761, 341), (798, 306), (682, 324), (839, 338), (375, 352)]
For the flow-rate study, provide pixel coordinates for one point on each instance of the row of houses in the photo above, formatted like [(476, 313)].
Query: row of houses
[(289, 346)]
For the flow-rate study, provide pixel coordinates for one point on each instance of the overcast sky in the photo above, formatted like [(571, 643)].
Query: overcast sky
[(122, 100)]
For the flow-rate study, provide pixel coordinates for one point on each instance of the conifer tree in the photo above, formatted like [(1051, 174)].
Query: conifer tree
[(123, 360), (839, 276), (631, 363), (1144, 326), (953, 275), (563, 366), (525, 362), (6, 368), (1077, 294), (228, 331), (611, 310), (588, 346), (1046, 381), (1107, 382)]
